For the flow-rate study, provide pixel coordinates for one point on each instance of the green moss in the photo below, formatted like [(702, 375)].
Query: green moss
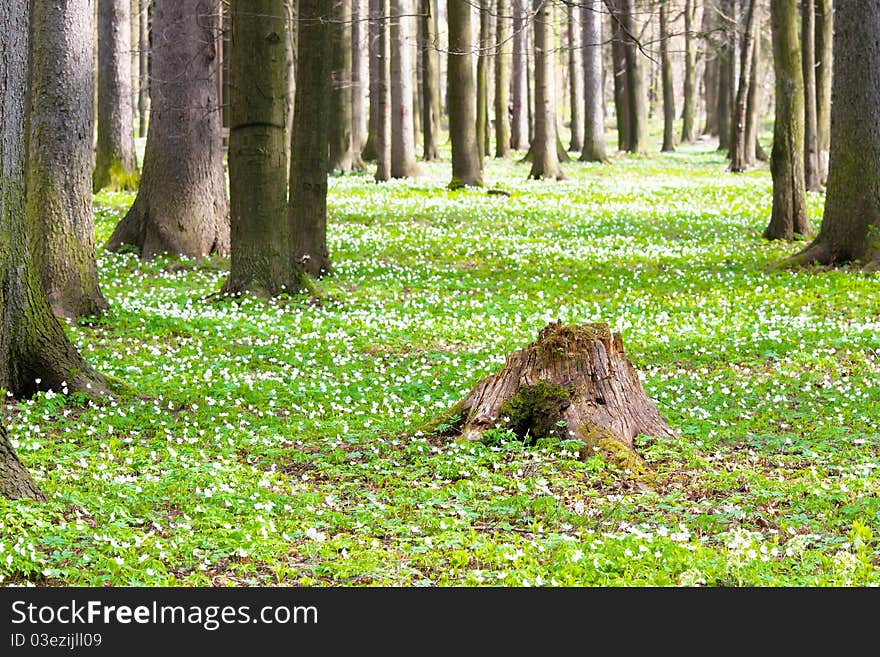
[(116, 178), (446, 423), (601, 441), (536, 411), (559, 339)]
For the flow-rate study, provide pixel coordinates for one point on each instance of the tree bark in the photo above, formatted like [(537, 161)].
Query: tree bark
[(502, 79), (575, 77), (545, 159), (668, 83), (725, 55), (824, 38), (370, 152), (753, 150), (181, 205), (812, 171), (789, 217), (594, 110), (115, 163), (519, 128), (739, 160), (635, 79), (59, 163), (708, 26), (483, 81), (35, 353), (403, 150), (383, 88), (360, 73), (307, 203), (430, 81), (290, 32), (262, 262), (851, 222), (15, 481), (621, 87), (688, 125), (340, 94), (466, 166), (143, 99)]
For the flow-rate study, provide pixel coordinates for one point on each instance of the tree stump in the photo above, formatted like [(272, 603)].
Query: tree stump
[(573, 382)]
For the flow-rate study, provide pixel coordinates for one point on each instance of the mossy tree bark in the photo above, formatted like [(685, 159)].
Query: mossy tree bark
[(35, 353), (789, 217), (341, 154), (812, 172), (430, 81), (115, 162), (668, 83), (262, 261), (15, 481), (403, 146), (545, 158), (519, 126), (181, 205), (594, 110), (688, 114), (307, 206), (59, 163), (575, 77), (502, 78), (851, 226), (740, 138), (383, 96), (369, 153), (824, 39), (466, 167), (573, 382)]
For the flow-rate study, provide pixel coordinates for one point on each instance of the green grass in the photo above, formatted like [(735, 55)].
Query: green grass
[(275, 442)]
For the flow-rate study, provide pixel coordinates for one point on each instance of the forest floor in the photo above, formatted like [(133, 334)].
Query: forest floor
[(276, 442)]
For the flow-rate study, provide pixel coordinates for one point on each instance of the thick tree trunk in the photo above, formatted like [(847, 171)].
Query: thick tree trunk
[(59, 164), (383, 89), (115, 163), (545, 159), (143, 99), (573, 382), (740, 142), (708, 26), (852, 200), (812, 171), (502, 78), (824, 38), (668, 84), (307, 203), (621, 90), (789, 216), (466, 168), (575, 78), (430, 81), (594, 110), (370, 153), (483, 81), (360, 73), (519, 128), (181, 205), (340, 95), (637, 100), (35, 353), (403, 148), (262, 262), (688, 116), (15, 481)]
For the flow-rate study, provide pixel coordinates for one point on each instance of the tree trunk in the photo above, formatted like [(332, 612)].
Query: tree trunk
[(545, 159), (35, 353), (262, 261), (725, 54), (575, 78), (502, 79), (519, 129), (181, 204), (370, 152), (466, 167), (143, 100), (740, 143), (852, 200), (403, 149), (635, 79), (668, 84), (824, 38), (383, 88), (812, 172), (573, 382), (753, 113), (134, 16), (59, 163), (789, 216), (621, 90), (594, 112), (483, 81), (688, 125), (340, 95), (307, 203), (430, 81), (290, 32), (15, 481), (708, 26), (360, 73), (115, 163)]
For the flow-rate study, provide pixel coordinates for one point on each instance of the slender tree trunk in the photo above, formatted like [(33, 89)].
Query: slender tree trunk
[(340, 96), (35, 353), (430, 81), (115, 163), (59, 162), (466, 166), (739, 161), (594, 112), (668, 84), (502, 78), (708, 27), (143, 99), (181, 204), (545, 160), (812, 171), (575, 78), (483, 81), (360, 73), (789, 216), (621, 87), (753, 113), (262, 262), (134, 16), (824, 37), (309, 165), (370, 153), (403, 150), (519, 129), (725, 53), (383, 89), (852, 200), (289, 72), (688, 125), (635, 79)]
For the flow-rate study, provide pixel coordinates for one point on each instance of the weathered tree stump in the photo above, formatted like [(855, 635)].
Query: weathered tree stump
[(574, 381)]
